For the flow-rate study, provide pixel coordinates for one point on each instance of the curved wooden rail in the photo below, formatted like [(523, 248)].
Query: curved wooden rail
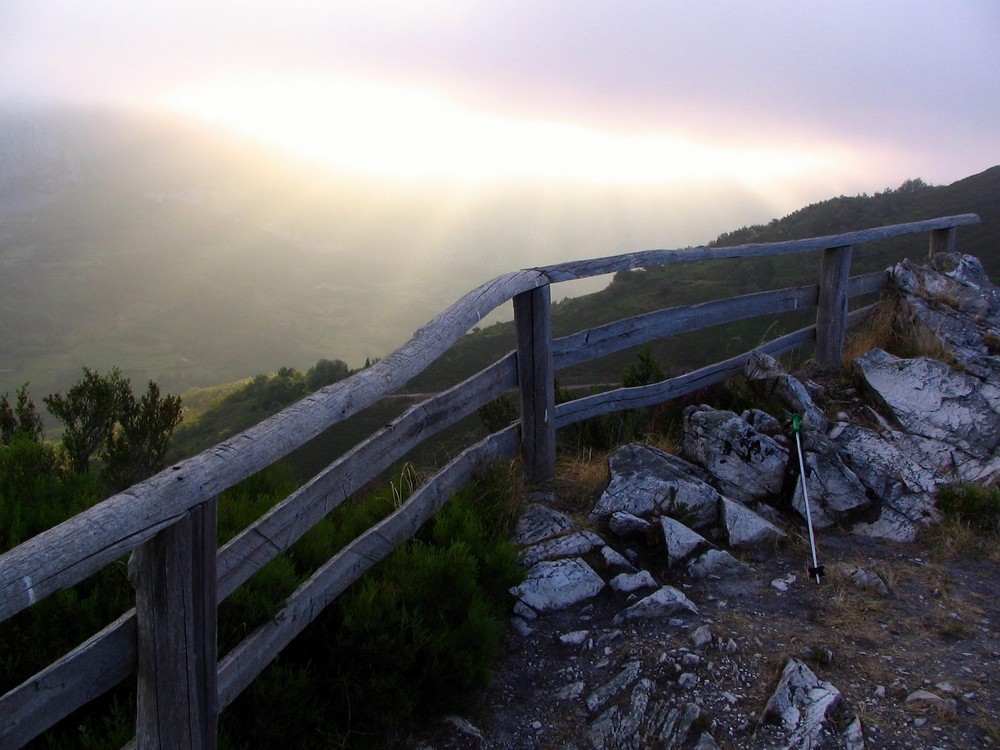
[(149, 517)]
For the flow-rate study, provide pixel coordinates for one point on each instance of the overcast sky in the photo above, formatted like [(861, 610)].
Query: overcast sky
[(867, 92)]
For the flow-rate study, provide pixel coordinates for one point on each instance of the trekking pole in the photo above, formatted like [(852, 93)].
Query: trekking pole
[(816, 569)]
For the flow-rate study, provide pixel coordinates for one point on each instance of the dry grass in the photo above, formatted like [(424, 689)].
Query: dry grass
[(954, 537), (579, 478), (876, 332)]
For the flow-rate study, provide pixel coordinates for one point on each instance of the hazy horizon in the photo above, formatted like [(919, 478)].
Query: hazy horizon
[(443, 143)]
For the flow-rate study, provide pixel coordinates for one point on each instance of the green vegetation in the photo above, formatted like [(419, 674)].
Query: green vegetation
[(971, 504), (244, 404), (415, 636)]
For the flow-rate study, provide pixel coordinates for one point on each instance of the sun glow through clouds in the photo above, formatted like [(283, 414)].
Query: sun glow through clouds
[(388, 131)]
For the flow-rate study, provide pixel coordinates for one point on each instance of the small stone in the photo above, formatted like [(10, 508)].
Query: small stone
[(701, 637), (464, 726), (926, 699), (784, 582), (717, 563), (618, 684), (536, 725), (575, 638), (570, 692), (663, 602), (523, 628), (690, 660), (687, 680), (628, 582), (880, 691)]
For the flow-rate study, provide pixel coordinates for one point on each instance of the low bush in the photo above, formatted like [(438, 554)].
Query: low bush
[(971, 504)]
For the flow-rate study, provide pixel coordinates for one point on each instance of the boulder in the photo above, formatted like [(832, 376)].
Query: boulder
[(836, 495), (800, 705), (645, 481), (745, 464), (902, 489), (558, 584), (571, 545), (680, 541), (746, 529), (662, 603), (539, 523), (951, 419), (768, 378)]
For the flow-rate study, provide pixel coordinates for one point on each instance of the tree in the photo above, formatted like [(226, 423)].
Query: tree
[(137, 445), (89, 411), (20, 421), (326, 371)]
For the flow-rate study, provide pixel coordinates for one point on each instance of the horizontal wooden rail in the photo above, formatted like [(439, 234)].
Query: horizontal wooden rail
[(624, 334), (109, 657), (638, 397), (583, 269), (138, 517), (73, 550)]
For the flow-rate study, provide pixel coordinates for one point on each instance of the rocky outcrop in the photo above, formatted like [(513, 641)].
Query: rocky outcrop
[(667, 528)]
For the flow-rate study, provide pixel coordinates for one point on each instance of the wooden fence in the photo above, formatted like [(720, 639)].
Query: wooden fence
[(168, 522)]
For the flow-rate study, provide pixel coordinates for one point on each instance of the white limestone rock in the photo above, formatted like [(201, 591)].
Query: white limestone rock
[(931, 400), (558, 584), (746, 529), (680, 541), (616, 560), (539, 523), (572, 545), (801, 704), (665, 602), (745, 464), (628, 526), (626, 583), (767, 375), (645, 481)]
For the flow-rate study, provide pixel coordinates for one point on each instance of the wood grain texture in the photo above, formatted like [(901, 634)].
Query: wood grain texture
[(623, 334), (174, 578), (535, 376), (69, 552), (651, 258), (620, 399), (831, 308)]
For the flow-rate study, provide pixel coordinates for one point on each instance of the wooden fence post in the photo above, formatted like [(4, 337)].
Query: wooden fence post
[(174, 576), (943, 240), (535, 376), (831, 311)]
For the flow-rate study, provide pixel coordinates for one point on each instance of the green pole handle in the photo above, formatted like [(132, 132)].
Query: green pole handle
[(796, 422)]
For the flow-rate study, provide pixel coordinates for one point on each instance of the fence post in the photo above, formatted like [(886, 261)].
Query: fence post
[(174, 576), (535, 371), (831, 311), (943, 240)]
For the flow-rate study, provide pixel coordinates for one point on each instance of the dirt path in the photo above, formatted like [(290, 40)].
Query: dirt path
[(937, 629)]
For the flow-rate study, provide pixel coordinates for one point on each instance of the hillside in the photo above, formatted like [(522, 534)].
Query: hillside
[(640, 291), (193, 257), (636, 292)]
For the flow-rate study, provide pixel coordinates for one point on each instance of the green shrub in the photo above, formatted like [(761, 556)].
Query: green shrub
[(972, 504), (415, 636)]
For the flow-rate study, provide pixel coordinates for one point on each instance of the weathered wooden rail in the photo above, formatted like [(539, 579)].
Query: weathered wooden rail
[(168, 522)]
